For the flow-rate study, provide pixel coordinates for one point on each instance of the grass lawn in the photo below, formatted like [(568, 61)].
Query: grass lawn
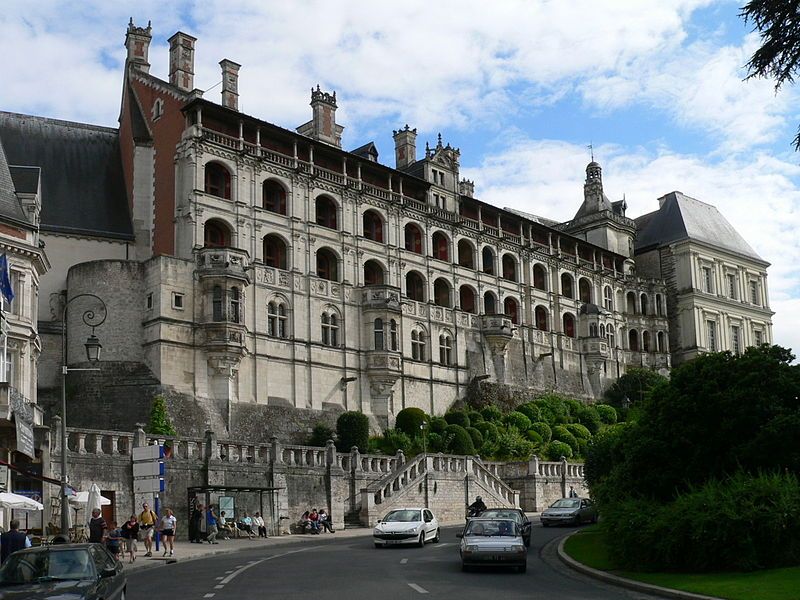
[(775, 584)]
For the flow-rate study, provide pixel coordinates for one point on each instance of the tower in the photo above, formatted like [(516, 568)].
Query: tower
[(137, 42)]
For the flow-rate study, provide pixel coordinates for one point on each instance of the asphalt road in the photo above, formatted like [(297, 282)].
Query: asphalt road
[(353, 569)]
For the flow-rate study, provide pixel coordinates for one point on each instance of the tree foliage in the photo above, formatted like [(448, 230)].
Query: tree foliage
[(352, 429), (160, 423), (409, 420), (633, 388)]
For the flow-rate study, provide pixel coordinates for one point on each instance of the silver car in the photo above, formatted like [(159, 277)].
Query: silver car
[(488, 542), (571, 511)]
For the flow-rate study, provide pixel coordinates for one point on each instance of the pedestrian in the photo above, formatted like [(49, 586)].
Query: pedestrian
[(12, 540), (246, 525), (130, 533), (258, 521), (195, 532), (313, 518), (326, 521), (572, 492), (168, 526), (147, 525), (97, 527), (211, 523)]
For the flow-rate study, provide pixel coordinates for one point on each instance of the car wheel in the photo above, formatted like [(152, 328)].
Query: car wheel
[(436, 537), (421, 541), (545, 524), (527, 542), (523, 568)]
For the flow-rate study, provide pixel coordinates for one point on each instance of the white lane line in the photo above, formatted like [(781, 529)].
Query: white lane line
[(404, 561), (258, 562), (417, 588), (211, 595), (218, 578), (218, 587), (440, 545)]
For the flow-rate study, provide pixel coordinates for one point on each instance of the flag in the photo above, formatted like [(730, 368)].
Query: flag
[(5, 281)]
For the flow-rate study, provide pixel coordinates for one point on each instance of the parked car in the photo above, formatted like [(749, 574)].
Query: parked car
[(492, 542), (517, 515), (74, 571), (406, 526), (572, 511)]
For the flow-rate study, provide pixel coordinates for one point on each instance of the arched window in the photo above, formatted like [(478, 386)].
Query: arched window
[(633, 340), (592, 329), (539, 277), (602, 330), (645, 341), (217, 308), (511, 309), (566, 285), (327, 265), (585, 290), (373, 273), (569, 325), (378, 330), (273, 197), (630, 303), (608, 298), (466, 299), (415, 286), (509, 268), (326, 212), (659, 305), (418, 341), (610, 338), (440, 247), (644, 304), (330, 329), (373, 226), (441, 292), (660, 342), (218, 180), (274, 251), (393, 335), (487, 258), (466, 254), (413, 238), (489, 304), (445, 349), (277, 319), (540, 315), (216, 234), (234, 305)]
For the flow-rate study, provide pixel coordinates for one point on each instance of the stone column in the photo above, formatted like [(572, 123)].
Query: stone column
[(336, 485), (281, 516), (563, 477)]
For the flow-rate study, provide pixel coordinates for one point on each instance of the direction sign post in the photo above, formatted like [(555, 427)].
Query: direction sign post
[(148, 474)]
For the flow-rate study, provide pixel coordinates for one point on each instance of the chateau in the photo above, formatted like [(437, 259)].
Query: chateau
[(244, 264)]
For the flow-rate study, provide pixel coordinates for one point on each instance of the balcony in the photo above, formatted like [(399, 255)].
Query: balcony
[(380, 297), (498, 331), (224, 263), (595, 346), (383, 370)]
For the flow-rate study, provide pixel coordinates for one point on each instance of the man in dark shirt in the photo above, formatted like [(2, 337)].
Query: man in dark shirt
[(12, 540), (97, 527)]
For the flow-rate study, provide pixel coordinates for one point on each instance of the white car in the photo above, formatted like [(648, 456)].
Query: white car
[(406, 526)]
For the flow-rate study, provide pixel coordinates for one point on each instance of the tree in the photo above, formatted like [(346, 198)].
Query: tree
[(352, 429), (778, 23), (632, 388), (159, 418)]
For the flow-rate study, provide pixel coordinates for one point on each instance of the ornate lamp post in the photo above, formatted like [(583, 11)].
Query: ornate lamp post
[(93, 348)]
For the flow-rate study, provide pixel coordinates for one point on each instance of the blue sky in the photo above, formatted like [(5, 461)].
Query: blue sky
[(520, 86)]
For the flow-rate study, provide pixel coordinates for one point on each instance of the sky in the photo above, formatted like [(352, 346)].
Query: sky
[(522, 87)]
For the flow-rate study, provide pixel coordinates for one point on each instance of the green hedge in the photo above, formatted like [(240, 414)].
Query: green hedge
[(320, 435), (457, 417), (543, 429), (488, 430), (534, 437), (579, 431), (438, 424), (352, 429), (409, 420), (457, 440), (492, 414), (562, 434), (530, 410), (476, 435), (555, 450), (518, 420), (607, 413)]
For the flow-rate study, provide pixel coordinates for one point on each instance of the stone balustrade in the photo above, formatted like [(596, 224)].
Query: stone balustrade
[(98, 442), (491, 481)]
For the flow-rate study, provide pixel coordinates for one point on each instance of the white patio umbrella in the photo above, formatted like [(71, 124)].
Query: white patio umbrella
[(17, 502), (93, 500), (83, 498)]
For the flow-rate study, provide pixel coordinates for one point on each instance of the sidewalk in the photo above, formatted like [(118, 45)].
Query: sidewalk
[(185, 550)]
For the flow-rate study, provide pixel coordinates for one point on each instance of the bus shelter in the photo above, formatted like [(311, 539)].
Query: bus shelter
[(234, 501)]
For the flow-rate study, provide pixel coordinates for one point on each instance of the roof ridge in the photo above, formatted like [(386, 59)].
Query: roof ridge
[(55, 121)]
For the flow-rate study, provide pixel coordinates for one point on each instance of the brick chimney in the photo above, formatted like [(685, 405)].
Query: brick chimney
[(405, 147), (230, 83), (137, 42), (181, 61)]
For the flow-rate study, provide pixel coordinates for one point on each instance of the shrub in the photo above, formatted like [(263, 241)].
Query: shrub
[(474, 417), (435, 442), (530, 410), (394, 440), (573, 407), (457, 417), (457, 440), (375, 444), (553, 409), (534, 437), (320, 435), (352, 429), (607, 413), (492, 414), (476, 435), (583, 447), (555, 450), (518, 420), (543, 429), (160, 423), (589, 418), (488, 430), (562, 434), (409, 421), (510, 444), (579, 431), (438, 424)]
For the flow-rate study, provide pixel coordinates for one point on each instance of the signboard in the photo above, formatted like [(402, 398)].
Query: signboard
[(148, 485), (148, 469), (23, 417), (226, 505), (3, 478), (154, 452)]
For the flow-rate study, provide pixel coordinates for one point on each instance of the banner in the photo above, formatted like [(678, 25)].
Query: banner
[(23, 417)]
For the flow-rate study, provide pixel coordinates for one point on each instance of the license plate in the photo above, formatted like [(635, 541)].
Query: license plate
[(392, 541)]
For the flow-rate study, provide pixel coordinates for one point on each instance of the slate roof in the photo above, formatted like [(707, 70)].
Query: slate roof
[(681, 217), (10, 207), (26, 179), (83, 187)]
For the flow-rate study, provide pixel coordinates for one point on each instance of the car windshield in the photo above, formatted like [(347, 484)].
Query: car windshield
[(402, 516), (566, 503), (502, 514), (32, 567), (493, 527)]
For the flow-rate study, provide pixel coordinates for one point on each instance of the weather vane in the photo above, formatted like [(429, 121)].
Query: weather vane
[(591, 150)]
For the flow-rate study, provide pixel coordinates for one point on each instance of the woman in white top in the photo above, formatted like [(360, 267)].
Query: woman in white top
[(168, 527)]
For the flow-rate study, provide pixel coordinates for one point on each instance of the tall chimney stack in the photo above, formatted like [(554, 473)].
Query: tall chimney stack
[(405, 147), (181, 61), (230, 83), (137, 42)]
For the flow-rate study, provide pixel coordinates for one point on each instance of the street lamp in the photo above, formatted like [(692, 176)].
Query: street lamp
[(424, 441), (93, 347)]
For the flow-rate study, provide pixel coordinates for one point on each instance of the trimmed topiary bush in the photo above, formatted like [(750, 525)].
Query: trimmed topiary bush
[(476, 435), (555, 450), (457, 417), (457, 440), (394, 440), (320, 435), (409, 421), (518, 420), (530, 410), (435, 442), (543, 429), (562, 434), (534, 437), (589, 418), (573, 407), (474, 417), (352, 429), (437, 425), (579, 431), (488, 430), (492, 413), (607, 413), (554, 411), (512, 445)]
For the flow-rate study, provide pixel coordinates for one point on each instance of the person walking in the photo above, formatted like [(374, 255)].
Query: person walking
[(168, 526), (211, 523), (97, 527), (572, 492), (12, 540), (114, 539), (130, 533), (147, 524)]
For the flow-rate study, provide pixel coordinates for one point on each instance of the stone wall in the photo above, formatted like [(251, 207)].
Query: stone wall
[(542, 483)]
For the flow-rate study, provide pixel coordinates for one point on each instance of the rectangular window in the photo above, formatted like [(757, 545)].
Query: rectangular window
[(735, 346), (177, 301), (759, 337), (732, 286), (754, 292), (149, 301), (711, 332), (16, 286), (708, 283)]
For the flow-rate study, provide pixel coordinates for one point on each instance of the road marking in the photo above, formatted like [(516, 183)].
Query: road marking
[(443, 545), (404, 561), (218, 587), (258, 562), (211, 595), (218, 578), (417, 588)]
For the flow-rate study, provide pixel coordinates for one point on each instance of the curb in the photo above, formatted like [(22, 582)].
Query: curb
[(622, 581)]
